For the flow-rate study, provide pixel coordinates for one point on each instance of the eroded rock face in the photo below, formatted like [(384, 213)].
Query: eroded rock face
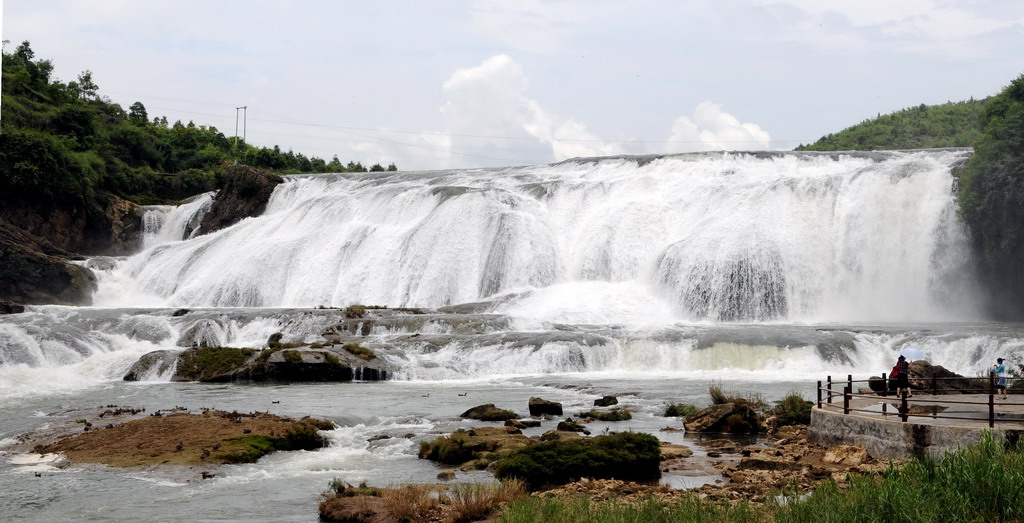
[(115, 229), (33, 271), (245, 193)]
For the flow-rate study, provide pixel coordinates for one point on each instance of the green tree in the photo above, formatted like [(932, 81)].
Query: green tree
[(86, 86), (137, 113)]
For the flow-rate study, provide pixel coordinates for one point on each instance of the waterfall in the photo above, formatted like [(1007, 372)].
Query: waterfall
[(717, 236)]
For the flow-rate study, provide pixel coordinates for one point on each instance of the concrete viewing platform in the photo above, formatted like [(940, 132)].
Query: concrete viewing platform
[(935, 424)]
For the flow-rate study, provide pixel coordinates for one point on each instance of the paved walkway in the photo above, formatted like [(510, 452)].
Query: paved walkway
[(948, 409)]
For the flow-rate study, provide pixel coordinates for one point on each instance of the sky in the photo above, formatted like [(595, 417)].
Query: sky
[(481, 83)]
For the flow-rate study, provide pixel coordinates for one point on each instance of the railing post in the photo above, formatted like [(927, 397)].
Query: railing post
[(991, 410), (885, 410), (846, 400), (819, 394), (829, 378), (849, 382), (904, 408), (885, 385)]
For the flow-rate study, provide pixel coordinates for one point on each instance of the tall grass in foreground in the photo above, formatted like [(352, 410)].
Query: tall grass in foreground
[(563, 510), (980, 483)]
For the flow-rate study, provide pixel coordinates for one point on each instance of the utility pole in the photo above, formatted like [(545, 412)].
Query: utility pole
[(245, 117)]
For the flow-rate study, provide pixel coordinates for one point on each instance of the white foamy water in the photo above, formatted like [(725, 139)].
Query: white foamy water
[(698, 237)]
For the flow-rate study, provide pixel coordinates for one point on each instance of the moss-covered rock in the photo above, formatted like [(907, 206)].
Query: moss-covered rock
[(211, 363), (183, 438), (285, 362), (615, 414), (627, 455), (489, 412), (479, 446)]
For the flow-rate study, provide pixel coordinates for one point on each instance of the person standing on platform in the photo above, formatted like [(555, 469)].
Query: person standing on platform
[(1000, 370), (902, 371)]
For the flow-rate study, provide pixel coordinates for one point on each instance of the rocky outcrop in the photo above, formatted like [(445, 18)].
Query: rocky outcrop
[(606, 401), (33, 271), (570, 425), (7, 307), (725, 417), (284, 364), (115, 228), (543, 407), (245, 193), (489, 412), (474, 448), (152, 364), (924, 375)]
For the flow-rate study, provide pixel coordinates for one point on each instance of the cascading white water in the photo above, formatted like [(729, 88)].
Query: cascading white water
[(789, 237)]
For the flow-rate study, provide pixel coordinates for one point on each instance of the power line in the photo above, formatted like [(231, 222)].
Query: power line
[(486, 136)]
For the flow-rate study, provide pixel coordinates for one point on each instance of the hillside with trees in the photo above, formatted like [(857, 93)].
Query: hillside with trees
[(65, 140), (992, 199), (74, 167), (952, 124)]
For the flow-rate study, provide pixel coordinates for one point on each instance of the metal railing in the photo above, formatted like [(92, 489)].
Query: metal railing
[(827, 392)]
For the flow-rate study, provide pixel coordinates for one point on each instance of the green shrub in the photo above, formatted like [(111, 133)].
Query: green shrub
[(792, 410), (719, 397), (359, 351), (626, 455), (293, 357), (355, 311), (680, 410)]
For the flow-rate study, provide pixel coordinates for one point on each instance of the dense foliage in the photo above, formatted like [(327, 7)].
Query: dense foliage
[(64, 142), (992, 198), (952, 124)]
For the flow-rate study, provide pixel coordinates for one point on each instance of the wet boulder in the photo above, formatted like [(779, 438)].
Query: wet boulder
[(570, 425), (542, 407), (924, 375), (489, 412), (151, 365), (736, 418), (606, 401), (7, 307)]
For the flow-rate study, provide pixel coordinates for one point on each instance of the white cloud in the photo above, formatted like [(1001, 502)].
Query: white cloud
[(711, 129), (487, 112)]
